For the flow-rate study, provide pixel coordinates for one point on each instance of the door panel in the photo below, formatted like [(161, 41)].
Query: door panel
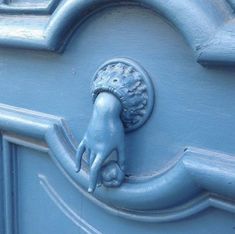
[(46, 200), (35, 207), (179, 170)]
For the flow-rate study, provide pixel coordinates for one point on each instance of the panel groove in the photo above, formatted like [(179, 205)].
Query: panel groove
[(10, 188), (67, 211)]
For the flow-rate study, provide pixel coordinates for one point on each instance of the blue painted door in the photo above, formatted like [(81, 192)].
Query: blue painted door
[(117, 116)]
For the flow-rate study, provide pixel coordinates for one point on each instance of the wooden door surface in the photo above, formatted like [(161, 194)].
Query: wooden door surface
[(164, 163)]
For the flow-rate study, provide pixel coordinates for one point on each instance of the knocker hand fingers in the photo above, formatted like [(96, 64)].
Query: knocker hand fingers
[(94, 171), (92, 157), (80, 151), (121, 157)]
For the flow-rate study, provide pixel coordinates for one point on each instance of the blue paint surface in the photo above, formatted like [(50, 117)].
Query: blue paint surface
[(195, 108)]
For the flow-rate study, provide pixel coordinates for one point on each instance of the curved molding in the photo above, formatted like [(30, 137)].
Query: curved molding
[(197, 180), (208, 26)]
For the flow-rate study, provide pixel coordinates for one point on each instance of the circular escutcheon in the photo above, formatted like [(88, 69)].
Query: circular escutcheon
[(131, 84)]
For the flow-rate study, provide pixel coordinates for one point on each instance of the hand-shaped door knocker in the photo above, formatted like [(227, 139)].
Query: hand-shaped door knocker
[(123, 100)]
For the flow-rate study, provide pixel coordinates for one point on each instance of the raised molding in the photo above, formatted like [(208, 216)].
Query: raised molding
[(208, 25), (9, 7), (198, 179), (65, 208)]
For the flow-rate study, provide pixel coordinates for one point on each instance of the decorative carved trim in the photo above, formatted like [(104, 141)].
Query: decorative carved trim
[(131, 85), (208, 28), (198, 179)]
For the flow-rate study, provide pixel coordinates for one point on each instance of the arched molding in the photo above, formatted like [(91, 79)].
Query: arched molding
[(207, 25)]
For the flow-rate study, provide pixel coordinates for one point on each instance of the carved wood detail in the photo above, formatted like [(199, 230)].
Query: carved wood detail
[(185, 177), (209, 28)]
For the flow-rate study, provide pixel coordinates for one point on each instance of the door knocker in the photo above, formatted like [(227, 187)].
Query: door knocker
[(123, 99)]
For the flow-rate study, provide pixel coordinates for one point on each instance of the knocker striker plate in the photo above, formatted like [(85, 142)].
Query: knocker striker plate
[(130, 83)]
